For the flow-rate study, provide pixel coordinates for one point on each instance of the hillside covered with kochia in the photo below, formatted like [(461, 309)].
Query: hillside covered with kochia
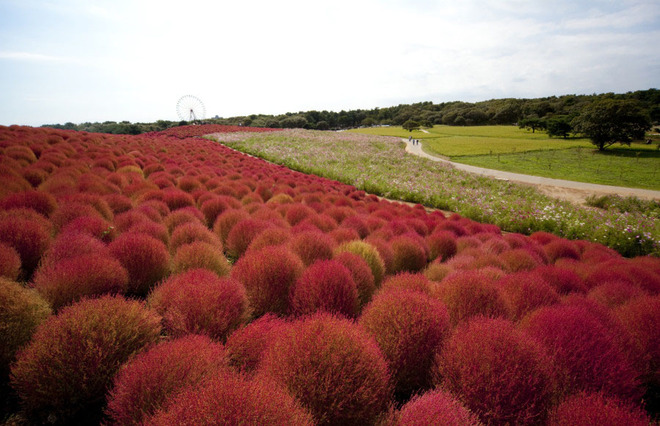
[(168, 279)]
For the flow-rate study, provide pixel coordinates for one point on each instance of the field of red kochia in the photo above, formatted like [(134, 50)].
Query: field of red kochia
[(166, 279)]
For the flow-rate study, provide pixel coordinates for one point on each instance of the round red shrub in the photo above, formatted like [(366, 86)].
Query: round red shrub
[(226, 221), (200, 302), (442, 245), (436, 407), (64, 372), (191, 232), (177, 199), (28, 237), (437, 271), (212, 208), (230, 399), (409, 254), (268, 275), (362, 275), (468, 294), (21, 311), (145, 258), (314, 359), (311, 246), (520, 259), (39, 201), (297, 213), (144, 383), (587, 355), (543, 237), (72, 244), (407, 281), (242, 234), (246, 346), (524, 292), (94, 226), (200, 255), (597, 409), (409, 327), (564, 280), (10, 262), (615, 293), (73, 278), (640, 318), (561, 248), (270, 237), (496, 370), (327, 286), (180, 217)]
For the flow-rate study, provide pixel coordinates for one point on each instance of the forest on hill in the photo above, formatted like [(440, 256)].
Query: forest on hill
[(457, 113)]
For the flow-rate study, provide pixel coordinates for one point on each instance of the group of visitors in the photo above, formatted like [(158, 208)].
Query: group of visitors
[(414, 141)]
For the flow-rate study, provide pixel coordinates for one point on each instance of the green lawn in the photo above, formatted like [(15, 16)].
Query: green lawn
[(521, 151)]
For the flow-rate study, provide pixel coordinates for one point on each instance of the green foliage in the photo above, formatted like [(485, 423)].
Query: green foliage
[(625, 204), (559, 126), (410, 125), (608, 121)]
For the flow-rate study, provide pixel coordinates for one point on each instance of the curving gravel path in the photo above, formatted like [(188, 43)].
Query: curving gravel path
[(564, 189)]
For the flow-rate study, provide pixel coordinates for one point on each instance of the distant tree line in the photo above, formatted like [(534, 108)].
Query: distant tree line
[(556, 114)]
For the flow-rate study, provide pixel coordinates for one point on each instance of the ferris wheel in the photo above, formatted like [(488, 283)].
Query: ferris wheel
[(190, 108)]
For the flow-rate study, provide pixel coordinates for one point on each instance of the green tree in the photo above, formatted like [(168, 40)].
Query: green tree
[(559, 126), (410, 125), (532, 123), (608, 121)]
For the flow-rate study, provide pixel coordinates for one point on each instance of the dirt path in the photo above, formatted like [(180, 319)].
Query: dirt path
[(575, 192)]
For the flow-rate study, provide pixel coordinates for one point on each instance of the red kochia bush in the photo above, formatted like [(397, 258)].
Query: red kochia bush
[(314, 359), (442, 245), (246, 346), (362, 276), (311, 246), (597, 409), (10, 262), (230, 399), (523, 292), (200, 255), (21, 311), (436, 407), (191, 232), (640, 318), (587, 355), (69, 364), (72, 244), (73, 278), (498, 371), (242, 234), (145, 258), (409, 326), (470, 293), (328, 286), (369, 254), (409, 254), (41, 202), (200, 302), (408, 281), (148, 380), (30, 238), (268, 275)]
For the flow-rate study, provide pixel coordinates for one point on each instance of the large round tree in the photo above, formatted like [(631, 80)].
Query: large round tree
[(607, 121)]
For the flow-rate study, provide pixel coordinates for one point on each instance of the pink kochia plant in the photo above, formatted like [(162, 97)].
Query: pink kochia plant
[(314, 359), (328, 286), (66, 369), (597, 409), (409, 327), (246, 346), (436, 407), (71, 279), (498, 371), (231, 399), (148, 380), (268, 275), (145, 258), (198, 301), (586, 353)]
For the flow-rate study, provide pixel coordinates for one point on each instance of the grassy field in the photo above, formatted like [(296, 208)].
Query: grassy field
[(517, 150)]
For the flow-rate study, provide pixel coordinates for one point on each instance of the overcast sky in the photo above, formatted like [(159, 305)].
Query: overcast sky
[(98, 60)]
